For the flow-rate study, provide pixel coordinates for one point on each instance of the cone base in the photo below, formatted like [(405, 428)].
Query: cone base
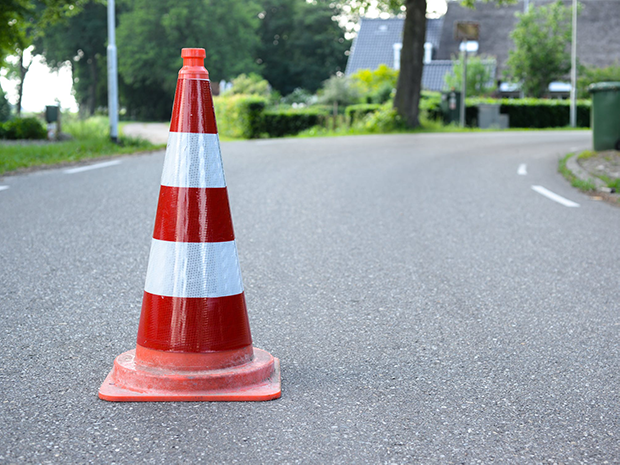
[(257, 380)]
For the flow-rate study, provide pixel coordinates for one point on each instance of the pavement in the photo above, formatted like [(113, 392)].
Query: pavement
[(429, 299), (157, 133)]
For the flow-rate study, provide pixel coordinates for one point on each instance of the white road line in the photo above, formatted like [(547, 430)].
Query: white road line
[(522, 171), (92, 167), (3, 188), (555, 197)]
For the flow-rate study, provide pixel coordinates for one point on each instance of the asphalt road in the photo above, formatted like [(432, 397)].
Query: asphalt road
[(427, 306)]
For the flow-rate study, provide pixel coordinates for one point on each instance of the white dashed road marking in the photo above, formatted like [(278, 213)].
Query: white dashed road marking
[(555, 197), (3, 188), (522, 171), (92, 167)]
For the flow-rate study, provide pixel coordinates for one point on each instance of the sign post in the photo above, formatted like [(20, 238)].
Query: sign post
[(465, 31)]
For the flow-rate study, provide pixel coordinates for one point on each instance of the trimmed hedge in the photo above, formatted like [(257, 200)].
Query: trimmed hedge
[(279, 123), (245, 116), (23, 128), (238, 116), (533, 113)]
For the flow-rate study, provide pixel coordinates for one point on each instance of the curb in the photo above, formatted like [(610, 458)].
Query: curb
[(580, 173)]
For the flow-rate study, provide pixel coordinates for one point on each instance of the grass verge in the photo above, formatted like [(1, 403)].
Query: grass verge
[(585, 185), (90, 140)]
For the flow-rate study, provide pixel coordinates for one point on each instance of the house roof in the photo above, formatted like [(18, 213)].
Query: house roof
[(373, 45), (597, 30)]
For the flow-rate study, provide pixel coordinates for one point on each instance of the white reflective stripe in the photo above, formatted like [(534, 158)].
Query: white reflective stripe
[(193, 160), (193, 269)]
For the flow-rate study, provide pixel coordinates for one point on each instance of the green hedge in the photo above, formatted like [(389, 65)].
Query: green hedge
[(244, 116), (23, 128), (279, 123), (238, 116), (355, 113), (533, 113)]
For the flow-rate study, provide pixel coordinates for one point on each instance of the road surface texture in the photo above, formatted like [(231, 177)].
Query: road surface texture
[(428, 305)]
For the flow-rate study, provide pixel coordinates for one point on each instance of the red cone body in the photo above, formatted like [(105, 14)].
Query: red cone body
[(194, 340)]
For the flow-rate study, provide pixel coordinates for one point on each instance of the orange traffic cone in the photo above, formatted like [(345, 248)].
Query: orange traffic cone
[(194, 340)]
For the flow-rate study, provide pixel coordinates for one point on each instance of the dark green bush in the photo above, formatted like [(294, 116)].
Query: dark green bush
[(534, 113), (357, 112), (279, 123), (23, 128), (5, 107)]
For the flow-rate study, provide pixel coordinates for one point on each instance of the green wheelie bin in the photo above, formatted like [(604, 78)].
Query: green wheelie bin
[(605, 115)]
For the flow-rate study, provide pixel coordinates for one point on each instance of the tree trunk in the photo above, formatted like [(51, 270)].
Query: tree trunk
[(20, 87), (409, 85)]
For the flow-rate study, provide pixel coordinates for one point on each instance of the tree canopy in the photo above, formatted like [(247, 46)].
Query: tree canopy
[(542, 41)]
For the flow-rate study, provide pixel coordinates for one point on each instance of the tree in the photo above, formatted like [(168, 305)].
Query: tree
[(150, 36), (81, 41), (590, 75), (542, 48), (409, 86), (21, 22), (301, 44), (479, 77)]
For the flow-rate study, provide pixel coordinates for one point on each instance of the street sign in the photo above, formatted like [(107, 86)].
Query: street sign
[(466, 30)]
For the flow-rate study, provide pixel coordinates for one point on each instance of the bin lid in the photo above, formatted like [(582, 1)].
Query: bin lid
[(603, 86)]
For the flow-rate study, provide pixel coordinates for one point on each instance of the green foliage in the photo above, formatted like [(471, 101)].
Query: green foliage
[(589, 76), (279, 123), (480, 81), (430, 105), (385, 120), (238, 115), (23, 128), (375, 86), (355, 113), (246, 117), (534, 113), (300, 43), (21, 21), (250, 84), (299, 95), (541, 55), (80, 40), (338, 89), (5, 107), (150, 36), (585, 185)]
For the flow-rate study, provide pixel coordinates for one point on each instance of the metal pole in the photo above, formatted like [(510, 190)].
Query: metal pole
[(463, 84), (526, 6), (112, 75), (573, 71)]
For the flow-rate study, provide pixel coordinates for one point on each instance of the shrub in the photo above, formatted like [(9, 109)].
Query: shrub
[(299, 95), (338, 90), (278, 123), (357, 112), (375, 86), (24, 128), (249, 84), (238, 116), (5, 107), (533, 113), (430, 105), (385, 119)]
